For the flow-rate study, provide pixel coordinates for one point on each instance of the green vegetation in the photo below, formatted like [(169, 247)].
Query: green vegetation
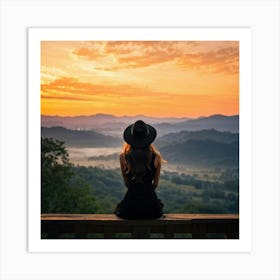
[(78, 189), (106, 185), (203, 153), (183, 193), (61, 190), (180, 193), (205, 134)]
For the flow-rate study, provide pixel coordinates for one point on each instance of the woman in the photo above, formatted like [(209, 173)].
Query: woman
[(140, 165)]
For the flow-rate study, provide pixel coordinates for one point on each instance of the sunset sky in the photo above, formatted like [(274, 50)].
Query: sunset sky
[(154, 78)]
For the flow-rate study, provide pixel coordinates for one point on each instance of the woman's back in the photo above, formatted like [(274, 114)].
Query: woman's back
[(140, 166)]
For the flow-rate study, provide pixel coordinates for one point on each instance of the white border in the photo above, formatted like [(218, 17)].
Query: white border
[(263, 16), (243, 35)]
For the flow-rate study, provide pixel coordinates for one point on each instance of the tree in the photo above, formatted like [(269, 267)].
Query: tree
[(61, 192), (55, 173)]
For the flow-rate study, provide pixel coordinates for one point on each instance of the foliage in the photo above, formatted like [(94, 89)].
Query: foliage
[(180, 193), (78, 189), (205, 134), (107, 186), (61, 191), (202, 153)]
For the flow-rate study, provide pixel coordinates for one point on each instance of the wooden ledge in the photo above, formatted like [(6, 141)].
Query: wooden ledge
[(113, 218), (198, 225)]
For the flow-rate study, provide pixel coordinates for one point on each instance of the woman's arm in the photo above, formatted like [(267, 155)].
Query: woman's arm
[(157, 164), (123, 164)]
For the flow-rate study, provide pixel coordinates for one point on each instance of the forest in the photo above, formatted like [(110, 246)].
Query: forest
[(69, 188)]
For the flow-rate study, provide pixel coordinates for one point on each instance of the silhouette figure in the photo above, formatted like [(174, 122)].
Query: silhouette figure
[(140, 165)]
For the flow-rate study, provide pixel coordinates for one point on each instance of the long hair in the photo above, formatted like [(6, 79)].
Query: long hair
[(139, 159)]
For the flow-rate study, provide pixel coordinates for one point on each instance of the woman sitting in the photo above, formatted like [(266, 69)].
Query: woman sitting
[(140, 165)]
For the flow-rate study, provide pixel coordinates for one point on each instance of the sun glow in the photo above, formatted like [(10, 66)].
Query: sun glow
[(161, 78)]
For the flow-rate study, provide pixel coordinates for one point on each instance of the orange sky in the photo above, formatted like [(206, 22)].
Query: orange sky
[(154, 78)]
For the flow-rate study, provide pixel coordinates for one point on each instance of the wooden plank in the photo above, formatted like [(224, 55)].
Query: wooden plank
[(44, 227), (199, 231), (109, 232), (53, 231), (216, 227), (140, 232), (169, 231), (181, 216), (122, 229), (197, 224), (92, 228), (183, 228), (80, 231), (232, 231), (67, 228), (157, 228), (73, 217), (111, 217)]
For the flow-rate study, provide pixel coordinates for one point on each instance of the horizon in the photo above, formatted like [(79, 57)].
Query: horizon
[(155, 78), (133, 116)]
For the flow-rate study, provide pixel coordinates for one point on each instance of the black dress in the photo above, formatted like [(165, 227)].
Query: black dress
[(140, 200)]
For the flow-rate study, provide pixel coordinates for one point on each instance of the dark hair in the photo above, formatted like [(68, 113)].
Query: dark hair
[(139, 160)]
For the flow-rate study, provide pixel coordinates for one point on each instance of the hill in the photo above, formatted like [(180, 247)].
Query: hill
[(180, 193), (101, 120), (205, 134), (114, 125), (202, 153), (217, 122), (80, 138)]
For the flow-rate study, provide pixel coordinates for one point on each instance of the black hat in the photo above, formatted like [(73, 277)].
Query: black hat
[(139, 134)]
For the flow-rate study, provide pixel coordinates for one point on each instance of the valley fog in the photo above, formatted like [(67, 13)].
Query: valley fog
[(89, 152), (83, 157), (108, 158)]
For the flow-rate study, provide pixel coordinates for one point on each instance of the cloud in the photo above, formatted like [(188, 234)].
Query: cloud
[(69, 88), (118, 55), (67, 98), (223, 60), (209, 56), (51, 73), (68, 85)]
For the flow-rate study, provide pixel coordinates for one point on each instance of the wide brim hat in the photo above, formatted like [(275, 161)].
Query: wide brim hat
[(139, 134)]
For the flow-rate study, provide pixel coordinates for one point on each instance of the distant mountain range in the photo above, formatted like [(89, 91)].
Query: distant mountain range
[(114, 126), (200, 148), (76, 138), (202, 153), (93, 121), (217, 122), (205, 134), (197, 148)]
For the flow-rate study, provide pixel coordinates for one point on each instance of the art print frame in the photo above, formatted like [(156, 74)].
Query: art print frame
[(243, 35)]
